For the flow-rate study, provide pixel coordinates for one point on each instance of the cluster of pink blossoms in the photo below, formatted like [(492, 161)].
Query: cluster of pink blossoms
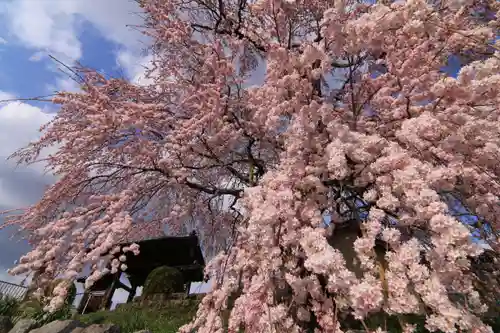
[(264, 121)]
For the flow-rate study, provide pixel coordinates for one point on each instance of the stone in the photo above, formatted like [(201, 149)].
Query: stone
[(5, 324), (143, 331), (23, 326), (78, 330), (59, 326), (101, 328)]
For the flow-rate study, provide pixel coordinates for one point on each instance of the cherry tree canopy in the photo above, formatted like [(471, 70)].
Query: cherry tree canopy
[(354, 123)]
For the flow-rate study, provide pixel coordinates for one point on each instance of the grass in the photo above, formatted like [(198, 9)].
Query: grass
[(8, 306), (131, 318), (167, 319)]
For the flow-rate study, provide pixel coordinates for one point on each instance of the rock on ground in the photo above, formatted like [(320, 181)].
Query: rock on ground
[(74, 326), (5, 324), (59, 326), (78, 330), (23, 326), (104, 328)]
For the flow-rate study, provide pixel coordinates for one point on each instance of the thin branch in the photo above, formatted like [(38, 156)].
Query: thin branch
[(38, 99)]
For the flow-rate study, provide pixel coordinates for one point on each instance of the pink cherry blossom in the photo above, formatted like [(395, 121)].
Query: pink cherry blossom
[(264, 121)]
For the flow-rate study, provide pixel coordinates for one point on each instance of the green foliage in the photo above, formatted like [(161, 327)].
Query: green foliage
[(29, 309), (8, 306), (131, 318), (33, 309), (163, 280)]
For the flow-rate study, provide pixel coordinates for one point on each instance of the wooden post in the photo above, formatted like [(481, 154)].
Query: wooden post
[(83, 302), (131, 293), (108, 296)]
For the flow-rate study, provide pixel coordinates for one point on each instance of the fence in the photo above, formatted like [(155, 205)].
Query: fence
[(12, 290)]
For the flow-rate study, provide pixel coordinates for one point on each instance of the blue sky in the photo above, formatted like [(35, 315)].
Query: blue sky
[(16, 58), (70, 30)]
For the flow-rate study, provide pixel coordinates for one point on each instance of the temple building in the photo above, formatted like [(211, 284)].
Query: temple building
[(183, 253)]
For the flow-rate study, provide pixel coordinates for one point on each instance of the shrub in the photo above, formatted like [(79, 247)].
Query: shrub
[(29, 308), (163, 280), (8, 306)]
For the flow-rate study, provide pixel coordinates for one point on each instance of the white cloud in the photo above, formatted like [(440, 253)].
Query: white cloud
[(2, 41), (135, 66), (45, 25), (19, 125), (37, 56), (64, 84), (54, 25), (6, 95)]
